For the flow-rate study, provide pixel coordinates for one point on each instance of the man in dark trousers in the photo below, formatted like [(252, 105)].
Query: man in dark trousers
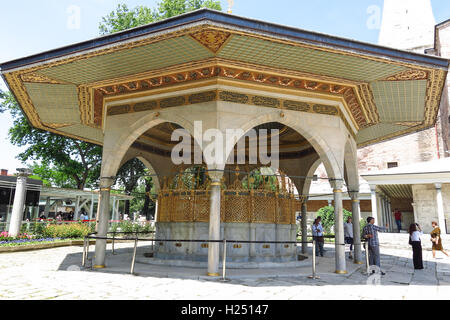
[(370, 233), (398, 219)]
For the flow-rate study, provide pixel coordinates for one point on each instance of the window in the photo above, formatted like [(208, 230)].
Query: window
[(392, 165)]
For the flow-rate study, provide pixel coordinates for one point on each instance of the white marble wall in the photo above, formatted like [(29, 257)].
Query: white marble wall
[(425, 204), (236, 252)]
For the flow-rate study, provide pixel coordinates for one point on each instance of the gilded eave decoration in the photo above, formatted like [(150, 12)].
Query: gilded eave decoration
[(357, 96)]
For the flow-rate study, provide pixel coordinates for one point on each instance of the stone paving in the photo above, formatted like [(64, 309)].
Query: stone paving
[(46, 274)]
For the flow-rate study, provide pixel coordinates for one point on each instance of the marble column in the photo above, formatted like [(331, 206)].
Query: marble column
[(19, 202), (374, 203), (77, 208), (214, 225), (304, 226), (341, 267), (91, 211), (103, 222), (47, 207), (354, 195), (440, 208), (113, 215)]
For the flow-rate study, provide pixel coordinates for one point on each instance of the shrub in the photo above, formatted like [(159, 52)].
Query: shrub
[(327, 214), (130, 226), (67, 231)]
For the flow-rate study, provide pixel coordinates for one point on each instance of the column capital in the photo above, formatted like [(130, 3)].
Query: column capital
[(337, 184), (354, 195), (106, 182), (24, 172), (438, 186), (216, 176)]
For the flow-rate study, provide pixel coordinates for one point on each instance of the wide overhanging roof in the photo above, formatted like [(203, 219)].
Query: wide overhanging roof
[(386, 92)]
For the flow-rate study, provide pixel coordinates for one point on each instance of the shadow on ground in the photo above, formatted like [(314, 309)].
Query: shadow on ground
[(396, 263)]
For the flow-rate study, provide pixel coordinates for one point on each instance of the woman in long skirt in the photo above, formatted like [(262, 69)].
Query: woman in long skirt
[(436, 239), (415, 232)]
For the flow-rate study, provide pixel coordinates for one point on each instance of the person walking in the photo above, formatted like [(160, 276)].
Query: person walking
[(317, 231), (437, 240), (398, 219), (348, 234), (370, 232), (415, 231)]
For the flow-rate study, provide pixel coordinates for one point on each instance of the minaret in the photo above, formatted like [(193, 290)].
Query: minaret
[(408, 25)]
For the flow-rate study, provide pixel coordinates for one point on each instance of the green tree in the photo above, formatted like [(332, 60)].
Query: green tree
[(327, 215), (124, 18), (75, 160), (128, 177)]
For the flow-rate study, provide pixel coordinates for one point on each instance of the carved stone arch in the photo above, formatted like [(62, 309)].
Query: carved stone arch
[(351, 166), (119, 142), (312, 134)]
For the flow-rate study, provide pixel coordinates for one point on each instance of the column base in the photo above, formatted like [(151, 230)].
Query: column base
[(100, 267), (358, 262), (213, 274), (341, 272)]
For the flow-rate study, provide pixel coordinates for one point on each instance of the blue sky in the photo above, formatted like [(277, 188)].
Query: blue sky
[(29, 26)]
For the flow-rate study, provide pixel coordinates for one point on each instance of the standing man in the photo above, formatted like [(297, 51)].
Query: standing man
[(348, 234), (398, 219), (370, 232), (317, 231)]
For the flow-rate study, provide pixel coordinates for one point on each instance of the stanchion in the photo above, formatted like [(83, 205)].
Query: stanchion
[(113, 239), (366, 246), (224, 260), (134, 255), (83, 259), (314, 276), (87, 250)]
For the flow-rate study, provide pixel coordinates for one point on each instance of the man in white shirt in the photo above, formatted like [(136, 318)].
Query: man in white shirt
[(348, 234)]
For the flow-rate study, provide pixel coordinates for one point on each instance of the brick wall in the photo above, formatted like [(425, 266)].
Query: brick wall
[(410, 149)]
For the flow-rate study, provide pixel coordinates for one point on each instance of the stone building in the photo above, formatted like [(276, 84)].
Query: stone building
[(407, 25)]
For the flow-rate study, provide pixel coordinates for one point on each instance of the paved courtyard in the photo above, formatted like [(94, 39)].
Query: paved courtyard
[(56, 274)]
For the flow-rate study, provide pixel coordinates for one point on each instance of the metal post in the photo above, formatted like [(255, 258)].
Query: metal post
[(314, 276), (114, 237), (134, 255), (87, 249), (366, 245), (224, 258), (83, 261)]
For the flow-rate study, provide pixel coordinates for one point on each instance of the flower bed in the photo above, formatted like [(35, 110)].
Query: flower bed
[(25, 239), (26, 242)]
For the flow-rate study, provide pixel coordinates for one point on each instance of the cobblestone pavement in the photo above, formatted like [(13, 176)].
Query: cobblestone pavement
[(46, 274)]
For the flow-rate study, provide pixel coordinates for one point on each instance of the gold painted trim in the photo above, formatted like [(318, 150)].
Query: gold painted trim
[(337, 191), (213, 274), (212, 39), (216, 184), (336, 91), (359, 262), (436, 76), (341, 272), (234, 97), (99, 267)]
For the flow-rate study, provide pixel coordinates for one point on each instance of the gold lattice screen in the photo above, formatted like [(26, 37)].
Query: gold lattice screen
[(190, 202)]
